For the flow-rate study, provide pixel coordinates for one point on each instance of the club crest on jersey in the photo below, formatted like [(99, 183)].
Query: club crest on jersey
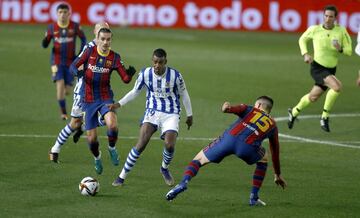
[(108, 63), (71, 31)]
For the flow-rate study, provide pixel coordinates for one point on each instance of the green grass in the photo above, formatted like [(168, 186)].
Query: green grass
[(217, 66)]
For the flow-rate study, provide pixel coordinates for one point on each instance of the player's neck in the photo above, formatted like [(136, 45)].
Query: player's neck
[(103, 53), (328, 26), (63, 24)]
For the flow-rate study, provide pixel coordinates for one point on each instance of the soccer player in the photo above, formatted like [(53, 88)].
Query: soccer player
[(164, 86), (99, 61), (75, 123), (329, 40), (243, 138), (63, 33), (357, 50)]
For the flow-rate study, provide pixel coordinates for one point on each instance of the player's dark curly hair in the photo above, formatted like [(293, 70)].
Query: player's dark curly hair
[(159, 52), (331, 8)]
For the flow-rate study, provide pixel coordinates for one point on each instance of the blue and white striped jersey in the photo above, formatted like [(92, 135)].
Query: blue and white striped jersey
[(163, 92)]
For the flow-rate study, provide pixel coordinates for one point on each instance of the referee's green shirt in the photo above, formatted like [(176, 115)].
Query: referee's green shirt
[(324, 52)]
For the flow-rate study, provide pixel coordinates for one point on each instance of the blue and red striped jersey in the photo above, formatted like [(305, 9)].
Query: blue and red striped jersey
[(253, 126), (97, 73), (64, 41)]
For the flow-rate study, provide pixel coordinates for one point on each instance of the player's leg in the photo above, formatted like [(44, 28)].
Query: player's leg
[(335, 87), (213, 153), (94, 148), (146, 131), (258, 178), (64, 134), (112, 133), (169, 125), (60, 95)]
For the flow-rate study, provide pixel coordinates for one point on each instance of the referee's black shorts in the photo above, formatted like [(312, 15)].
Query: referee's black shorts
[(319, 73)]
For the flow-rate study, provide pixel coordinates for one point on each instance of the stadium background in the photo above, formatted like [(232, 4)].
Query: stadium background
[(226, 58)]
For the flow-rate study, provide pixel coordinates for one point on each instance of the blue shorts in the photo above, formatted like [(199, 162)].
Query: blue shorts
[(226, 145), (63, 73), (91, 111)]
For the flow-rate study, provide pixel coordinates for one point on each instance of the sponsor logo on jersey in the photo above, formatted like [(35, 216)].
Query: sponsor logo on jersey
[(97, 69), (64, 39)]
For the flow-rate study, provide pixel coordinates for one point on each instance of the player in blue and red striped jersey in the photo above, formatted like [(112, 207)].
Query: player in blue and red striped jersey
[(243, 138), (99, 62), (63, 33)]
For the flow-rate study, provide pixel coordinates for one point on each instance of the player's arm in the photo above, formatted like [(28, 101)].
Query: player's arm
[(234, 109), (125, 74), (77, 66), (82, 37), (275, 156), (131, 95), (346, 43), (303, 41), (185, 100), (47, 39)]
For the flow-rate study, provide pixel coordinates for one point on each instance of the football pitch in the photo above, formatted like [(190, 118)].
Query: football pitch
[(322, 169)]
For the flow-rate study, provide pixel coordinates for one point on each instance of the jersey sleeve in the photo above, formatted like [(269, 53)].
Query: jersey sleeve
[(131, 95), (305, 38), (82, 36), (275, 150), (48, 36), (120, 68), (346, 43), (184, 95), (80, 60), (239, 110)]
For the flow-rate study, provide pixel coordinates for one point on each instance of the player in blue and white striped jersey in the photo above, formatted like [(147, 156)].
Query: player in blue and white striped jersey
[(164, 87), (76, 110)]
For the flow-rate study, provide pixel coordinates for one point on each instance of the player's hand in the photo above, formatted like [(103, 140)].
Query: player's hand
[(308, 59), (113, 107), (189, 121), (280, 181), (337, 45), (225, 106), (131, 71)]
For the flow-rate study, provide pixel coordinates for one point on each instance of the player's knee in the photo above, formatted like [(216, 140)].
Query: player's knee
[(338, 87), (313, 98), (75, 123)]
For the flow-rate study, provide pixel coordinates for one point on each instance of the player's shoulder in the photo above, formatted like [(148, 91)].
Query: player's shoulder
[(340, 28)]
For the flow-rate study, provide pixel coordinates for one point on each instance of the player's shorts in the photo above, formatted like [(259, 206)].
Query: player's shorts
[(319, 73), (91, 111), (164, 121), (60, 72), (227, 145), (76, 110)]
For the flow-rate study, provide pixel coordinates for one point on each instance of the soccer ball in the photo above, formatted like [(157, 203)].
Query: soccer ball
[(89, 186)]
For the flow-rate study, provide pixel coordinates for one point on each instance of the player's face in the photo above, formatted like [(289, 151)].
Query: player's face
[(329, 18), (104, 41), (63, 15), (159, 65)]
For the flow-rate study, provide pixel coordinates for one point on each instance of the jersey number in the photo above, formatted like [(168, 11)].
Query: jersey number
[(261, 121)]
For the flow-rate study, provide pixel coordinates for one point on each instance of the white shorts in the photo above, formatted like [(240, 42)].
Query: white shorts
[(164, 121)]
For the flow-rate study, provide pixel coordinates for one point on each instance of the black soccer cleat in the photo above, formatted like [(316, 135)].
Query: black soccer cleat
[(77, 135), (292, 119), (324, 123), (54, 157)]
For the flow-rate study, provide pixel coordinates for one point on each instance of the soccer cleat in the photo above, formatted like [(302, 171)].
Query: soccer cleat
[(118, 182), (54, 157), (114, 156), (77, 135), (169, 180), (175, 191), (98, 166), (292, 119), (256, 202), (64, 116), (324, 123)]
